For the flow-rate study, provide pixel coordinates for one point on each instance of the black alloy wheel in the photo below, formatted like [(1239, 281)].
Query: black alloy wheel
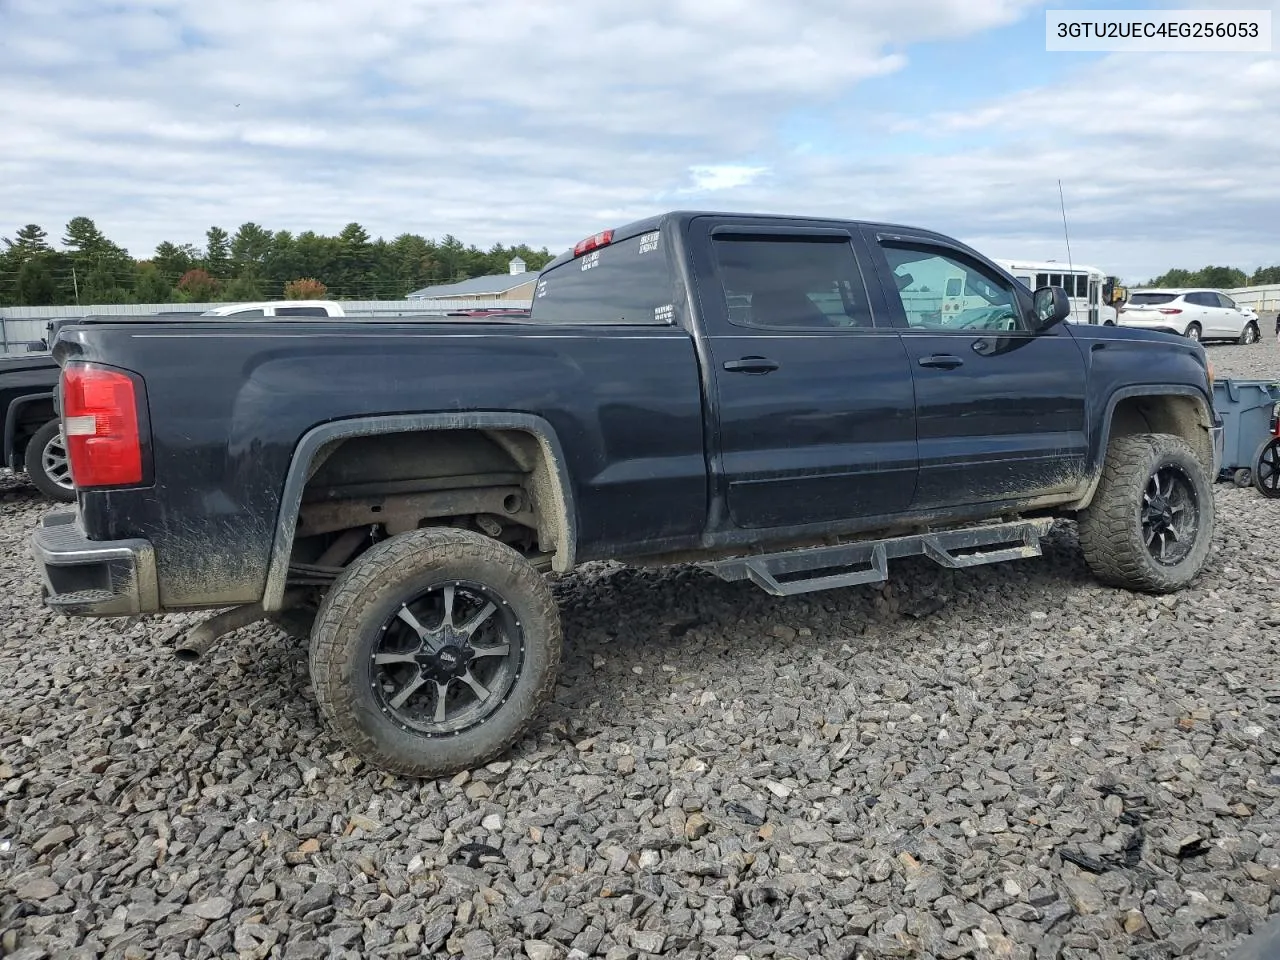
[(447, 659), (1170, 515)]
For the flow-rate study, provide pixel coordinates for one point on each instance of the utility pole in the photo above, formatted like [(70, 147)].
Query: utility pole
[(75, 284)]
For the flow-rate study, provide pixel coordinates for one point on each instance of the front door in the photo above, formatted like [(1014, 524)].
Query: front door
[(1000, 411), (814, 395), (1223, 320), (1234, 321)]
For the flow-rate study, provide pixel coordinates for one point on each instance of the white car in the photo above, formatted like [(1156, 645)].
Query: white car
[(278, 308), (1195, 314)]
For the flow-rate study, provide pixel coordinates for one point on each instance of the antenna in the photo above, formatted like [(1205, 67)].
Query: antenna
[(1070, 265), (1064, 224)]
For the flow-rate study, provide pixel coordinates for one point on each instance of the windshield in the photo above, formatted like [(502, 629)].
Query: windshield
[(1151, 299)]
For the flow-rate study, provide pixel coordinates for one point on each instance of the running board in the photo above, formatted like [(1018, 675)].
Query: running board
[(869, 559)]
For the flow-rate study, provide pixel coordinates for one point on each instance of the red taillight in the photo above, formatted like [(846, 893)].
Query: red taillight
[(100, 424), (601, 239), (1170, 310)]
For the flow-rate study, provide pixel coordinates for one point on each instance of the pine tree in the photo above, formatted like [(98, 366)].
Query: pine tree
[(217, 253)]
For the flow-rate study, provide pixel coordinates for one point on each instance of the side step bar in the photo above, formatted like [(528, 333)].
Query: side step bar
[(849, 564)]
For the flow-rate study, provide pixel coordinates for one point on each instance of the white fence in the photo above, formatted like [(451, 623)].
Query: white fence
[(1265, 297), (20, 326)]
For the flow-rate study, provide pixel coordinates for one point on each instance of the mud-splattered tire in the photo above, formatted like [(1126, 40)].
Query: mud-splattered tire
[(46, 463), (377, 602), (1124, 532)]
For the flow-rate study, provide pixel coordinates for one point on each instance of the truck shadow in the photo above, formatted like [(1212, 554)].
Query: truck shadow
[(640, 636)]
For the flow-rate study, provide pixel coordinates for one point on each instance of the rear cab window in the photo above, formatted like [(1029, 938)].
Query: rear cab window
[(628, 281)]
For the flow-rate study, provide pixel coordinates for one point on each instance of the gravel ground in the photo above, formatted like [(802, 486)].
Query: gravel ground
[(1005, 762)]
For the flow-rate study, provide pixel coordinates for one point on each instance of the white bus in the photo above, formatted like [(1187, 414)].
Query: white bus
[(1087, 287)]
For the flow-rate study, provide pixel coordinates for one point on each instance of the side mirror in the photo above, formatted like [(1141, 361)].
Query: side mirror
[(1051, 307)]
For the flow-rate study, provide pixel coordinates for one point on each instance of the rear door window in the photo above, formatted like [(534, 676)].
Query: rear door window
[(785, 283), (626, 282)]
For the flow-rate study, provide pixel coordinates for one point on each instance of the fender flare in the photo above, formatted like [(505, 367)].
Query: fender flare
[(11, 424), (1126, 393), (315, 439)]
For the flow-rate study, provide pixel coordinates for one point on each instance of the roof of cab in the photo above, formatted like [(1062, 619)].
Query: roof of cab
[(659, 220)]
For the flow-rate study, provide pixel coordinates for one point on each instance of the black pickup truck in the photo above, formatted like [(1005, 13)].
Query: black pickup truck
[(32, 439), (785, 400)]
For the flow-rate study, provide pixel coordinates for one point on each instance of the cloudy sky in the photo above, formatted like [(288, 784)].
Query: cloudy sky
[(543, 122)]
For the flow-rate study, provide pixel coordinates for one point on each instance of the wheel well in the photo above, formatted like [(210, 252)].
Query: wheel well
[(364, 488), (1180, 416), (28, 418)]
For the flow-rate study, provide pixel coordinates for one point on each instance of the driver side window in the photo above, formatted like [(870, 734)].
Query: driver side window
[(941, 292)]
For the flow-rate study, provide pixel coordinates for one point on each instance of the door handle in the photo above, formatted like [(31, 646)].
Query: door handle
[(941, 361), (751, 365)]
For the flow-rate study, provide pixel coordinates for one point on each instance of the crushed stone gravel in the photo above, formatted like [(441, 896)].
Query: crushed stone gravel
[(1009, 762)]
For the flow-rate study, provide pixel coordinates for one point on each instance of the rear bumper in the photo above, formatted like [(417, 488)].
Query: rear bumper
[(93, 578)]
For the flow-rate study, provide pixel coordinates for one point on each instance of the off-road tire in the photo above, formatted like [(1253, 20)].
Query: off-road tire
[(370, 590), (1250, 333), (1110, 528), (34, 462)]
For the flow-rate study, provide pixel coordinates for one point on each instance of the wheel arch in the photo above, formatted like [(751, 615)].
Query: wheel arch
[(1180, 410), (12, 455), (542, 454)]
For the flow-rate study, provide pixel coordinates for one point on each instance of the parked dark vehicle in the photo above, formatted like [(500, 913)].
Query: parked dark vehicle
[(32, 437), (790, 401)]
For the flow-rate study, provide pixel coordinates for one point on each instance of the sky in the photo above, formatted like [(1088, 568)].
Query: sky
[(509, 121)]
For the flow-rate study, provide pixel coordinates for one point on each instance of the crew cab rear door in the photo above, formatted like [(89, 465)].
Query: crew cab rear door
[(812, 392), (1000, 410)]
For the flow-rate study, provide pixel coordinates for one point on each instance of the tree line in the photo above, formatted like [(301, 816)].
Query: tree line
[(1216, 278), (254, 263)]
